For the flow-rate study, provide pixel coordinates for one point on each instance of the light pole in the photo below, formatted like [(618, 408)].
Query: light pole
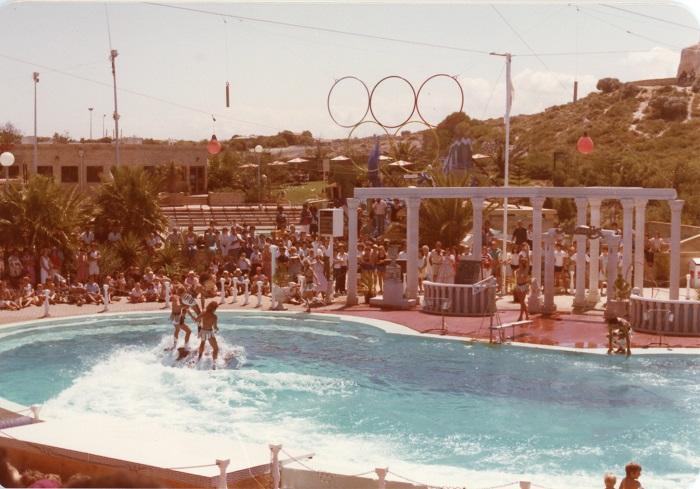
[(113, 56), (90, 109), (506, 150), (104, 134), (35, 156), (81, 170), (6, 160), (258, 153)]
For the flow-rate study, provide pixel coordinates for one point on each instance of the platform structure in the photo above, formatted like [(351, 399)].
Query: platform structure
[(633, 200), (91, 442)]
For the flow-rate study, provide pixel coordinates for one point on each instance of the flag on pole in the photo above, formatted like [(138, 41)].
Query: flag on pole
[(510, 91), (373, 166), (459, 156)]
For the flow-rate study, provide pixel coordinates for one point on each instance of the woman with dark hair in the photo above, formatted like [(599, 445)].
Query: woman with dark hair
[(522, 286)]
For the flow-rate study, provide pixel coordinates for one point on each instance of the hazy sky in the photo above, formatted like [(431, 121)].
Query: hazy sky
[(280, 75)]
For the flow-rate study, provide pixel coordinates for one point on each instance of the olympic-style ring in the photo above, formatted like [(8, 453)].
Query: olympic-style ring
[(371, 95), (435, 136), (367, 109), (362, 168), (453, 78)]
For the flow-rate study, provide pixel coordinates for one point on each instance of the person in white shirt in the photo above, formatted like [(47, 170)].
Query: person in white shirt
[(379, 208), (225, 241), (340, 269), (88, 236), (93, 265), (559, 256), (114, 236)]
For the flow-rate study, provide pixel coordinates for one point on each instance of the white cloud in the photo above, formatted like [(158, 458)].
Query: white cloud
[(536, 90), (658, 62)]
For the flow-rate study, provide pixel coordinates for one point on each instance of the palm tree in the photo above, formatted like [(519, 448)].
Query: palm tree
[(129, 201), (405, 150), (41, 214), (446, 220)]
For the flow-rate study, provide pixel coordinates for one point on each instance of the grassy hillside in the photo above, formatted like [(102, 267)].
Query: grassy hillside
[(644, 136)]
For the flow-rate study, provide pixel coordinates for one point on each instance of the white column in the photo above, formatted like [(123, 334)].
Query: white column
[(675, 272), (167, 294), (639, 218), (534, 300), (412, 239), (381, 477), (549, 307), (477, 227), (35, 409), (537, 203), (223, 465), (613, 243), (580, 298), (593, 279), (351, 298), (275, 464), (627, 233)]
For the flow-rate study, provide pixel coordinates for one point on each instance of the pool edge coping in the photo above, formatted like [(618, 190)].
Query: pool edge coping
[(389, 327)]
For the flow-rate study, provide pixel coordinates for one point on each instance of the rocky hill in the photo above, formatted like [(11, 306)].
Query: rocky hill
[(645, 136)]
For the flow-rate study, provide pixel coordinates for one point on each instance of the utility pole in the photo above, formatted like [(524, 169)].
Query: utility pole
[(104, 134), (506, 158), (35, 157), (90, 109), (113, 56)]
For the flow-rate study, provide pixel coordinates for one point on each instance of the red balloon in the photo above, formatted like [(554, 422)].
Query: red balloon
[(214, 146), (585, 144)]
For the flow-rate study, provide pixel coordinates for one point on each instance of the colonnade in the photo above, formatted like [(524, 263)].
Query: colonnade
[(588, 203)]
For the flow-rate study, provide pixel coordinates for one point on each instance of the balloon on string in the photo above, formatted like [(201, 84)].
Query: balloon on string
[(585, 145), (214, 146)]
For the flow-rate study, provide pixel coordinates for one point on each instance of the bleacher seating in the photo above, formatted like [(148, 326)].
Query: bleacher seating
[(199, 216)]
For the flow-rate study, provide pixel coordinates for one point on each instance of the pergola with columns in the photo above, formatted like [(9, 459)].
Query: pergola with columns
[(633, 199)]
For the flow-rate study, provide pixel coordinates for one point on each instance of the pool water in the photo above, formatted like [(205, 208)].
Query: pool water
[(434, 410)]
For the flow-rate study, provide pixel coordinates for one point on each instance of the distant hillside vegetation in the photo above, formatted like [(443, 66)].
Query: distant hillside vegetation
[(646, 136)]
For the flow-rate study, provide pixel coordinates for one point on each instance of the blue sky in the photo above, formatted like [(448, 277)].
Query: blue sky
[(280, 75)]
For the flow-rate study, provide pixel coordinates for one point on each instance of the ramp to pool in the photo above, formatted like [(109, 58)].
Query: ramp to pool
[(176, 458)]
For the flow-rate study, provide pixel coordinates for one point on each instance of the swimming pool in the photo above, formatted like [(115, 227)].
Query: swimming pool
[(434, 410)]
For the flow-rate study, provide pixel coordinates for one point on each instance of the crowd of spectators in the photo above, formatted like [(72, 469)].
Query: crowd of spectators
[(240, 257)]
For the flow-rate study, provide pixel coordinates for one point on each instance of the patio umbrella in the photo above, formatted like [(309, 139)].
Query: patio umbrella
[(401, 163), (277, 163), (249, 165), (385, 158), (297, 160), (340, 158)]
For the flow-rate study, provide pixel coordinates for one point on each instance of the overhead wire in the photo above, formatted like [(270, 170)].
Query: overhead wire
[(319, 28), (628, 31), (652, 17), (373, 36), (134, 92), (527, 45)]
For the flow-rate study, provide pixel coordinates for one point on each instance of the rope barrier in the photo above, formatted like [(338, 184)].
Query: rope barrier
[(540, 487), (191, 467), (514, 483), (407, 479), (296, 460), (363, 473)]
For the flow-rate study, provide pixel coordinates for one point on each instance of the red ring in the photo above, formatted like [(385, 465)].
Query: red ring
[(453, 78), (372, 95), (328, 102)]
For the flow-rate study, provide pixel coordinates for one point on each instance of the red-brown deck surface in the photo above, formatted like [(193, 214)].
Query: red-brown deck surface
[(566, 329)]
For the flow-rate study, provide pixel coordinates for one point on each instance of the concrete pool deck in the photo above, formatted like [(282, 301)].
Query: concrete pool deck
[(566, 330)]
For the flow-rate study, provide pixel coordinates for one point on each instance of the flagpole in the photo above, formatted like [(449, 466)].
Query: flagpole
[(506, 153)]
